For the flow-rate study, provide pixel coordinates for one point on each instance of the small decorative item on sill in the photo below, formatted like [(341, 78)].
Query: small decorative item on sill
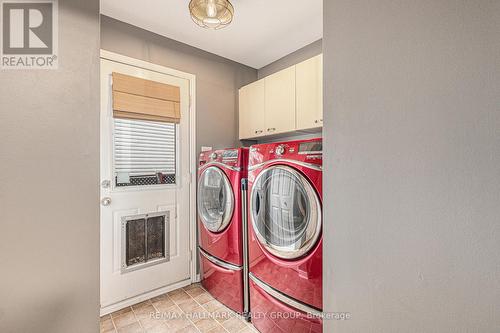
[(211, 14)]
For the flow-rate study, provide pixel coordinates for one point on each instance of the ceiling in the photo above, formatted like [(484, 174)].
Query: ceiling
[(262, 31)]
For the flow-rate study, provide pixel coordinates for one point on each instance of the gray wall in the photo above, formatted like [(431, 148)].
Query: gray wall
[(217, 79), (412, 180), (300, 55), (49, 171)]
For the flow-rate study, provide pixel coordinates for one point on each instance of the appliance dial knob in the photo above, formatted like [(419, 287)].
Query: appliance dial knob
[(280, 150), (213, 156)]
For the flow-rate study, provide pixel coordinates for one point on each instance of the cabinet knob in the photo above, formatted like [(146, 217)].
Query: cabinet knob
[(258, 131), (272, 129)]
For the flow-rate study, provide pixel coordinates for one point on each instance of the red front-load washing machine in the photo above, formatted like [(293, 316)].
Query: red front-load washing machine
[(285, 236), (220, 175)]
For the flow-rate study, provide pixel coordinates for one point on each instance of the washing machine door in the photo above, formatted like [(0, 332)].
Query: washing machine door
[(285, 212), (215, 199)]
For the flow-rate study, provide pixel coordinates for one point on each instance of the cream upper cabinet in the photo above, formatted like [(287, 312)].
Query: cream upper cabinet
[(252, 110), (286, 101), (309, 93), (280, 102)]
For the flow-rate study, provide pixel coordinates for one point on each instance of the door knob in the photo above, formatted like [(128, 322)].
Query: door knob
[(106, 201)]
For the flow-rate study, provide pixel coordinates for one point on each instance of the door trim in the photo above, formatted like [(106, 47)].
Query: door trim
[(119, 58)]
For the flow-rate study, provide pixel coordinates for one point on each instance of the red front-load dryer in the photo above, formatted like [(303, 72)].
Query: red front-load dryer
[(220, 175), (285, 236)]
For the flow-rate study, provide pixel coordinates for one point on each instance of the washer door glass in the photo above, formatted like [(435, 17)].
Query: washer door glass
[(215, 199), (285, 212)]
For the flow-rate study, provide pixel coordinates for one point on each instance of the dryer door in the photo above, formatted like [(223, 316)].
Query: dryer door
[(215, 199), (285, 212)]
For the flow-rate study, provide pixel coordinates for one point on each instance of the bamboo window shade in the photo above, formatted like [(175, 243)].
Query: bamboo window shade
[(136, 98)]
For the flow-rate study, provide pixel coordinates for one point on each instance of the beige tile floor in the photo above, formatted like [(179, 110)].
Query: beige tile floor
[(188, 310)]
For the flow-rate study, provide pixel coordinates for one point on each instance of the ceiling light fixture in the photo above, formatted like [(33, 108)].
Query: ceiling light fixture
[(211, 14)]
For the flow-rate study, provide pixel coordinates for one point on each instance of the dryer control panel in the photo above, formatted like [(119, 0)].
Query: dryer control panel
[(231, 157), (312, 147), (302, 150)]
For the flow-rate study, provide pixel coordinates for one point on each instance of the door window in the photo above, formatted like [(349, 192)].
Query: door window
[(285, 211), (144, 152), (215, 199)]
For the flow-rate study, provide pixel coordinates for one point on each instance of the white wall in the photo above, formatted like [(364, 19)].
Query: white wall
[(412, 172)]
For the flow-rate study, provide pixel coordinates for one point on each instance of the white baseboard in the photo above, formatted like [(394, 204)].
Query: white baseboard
[(197, 278), (143, 297)]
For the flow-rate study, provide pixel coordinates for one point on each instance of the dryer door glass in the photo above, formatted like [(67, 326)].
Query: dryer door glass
[(285, 212), (215, 199)]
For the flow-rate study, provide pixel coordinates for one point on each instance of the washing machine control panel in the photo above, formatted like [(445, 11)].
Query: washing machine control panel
[(310, 151), (231, 157), (311, 147), (280, 150), (304, 148), (229, 154)]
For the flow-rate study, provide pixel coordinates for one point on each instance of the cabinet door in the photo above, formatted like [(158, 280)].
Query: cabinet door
[(280, 101), (309, 76), (251, 110)]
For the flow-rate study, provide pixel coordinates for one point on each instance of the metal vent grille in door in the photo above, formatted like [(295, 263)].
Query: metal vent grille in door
[(145, 240)]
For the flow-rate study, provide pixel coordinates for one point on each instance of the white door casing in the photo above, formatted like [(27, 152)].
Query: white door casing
[(119, 289)]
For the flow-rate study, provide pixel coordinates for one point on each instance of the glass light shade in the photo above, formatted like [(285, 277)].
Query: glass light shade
[(211, 14)]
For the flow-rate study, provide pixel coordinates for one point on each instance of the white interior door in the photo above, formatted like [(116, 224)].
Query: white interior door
[(145, 181)]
